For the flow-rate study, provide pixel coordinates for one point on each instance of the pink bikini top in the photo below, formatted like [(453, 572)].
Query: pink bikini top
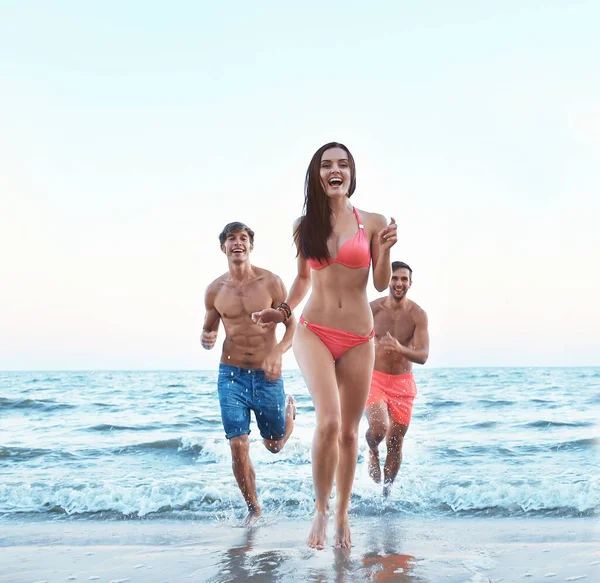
[(354, 253)]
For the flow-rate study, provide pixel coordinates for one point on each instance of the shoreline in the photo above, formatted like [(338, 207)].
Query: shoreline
[(477, 550)]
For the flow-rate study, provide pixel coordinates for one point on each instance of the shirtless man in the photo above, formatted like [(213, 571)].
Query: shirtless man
[(250, 369), (401, 338)]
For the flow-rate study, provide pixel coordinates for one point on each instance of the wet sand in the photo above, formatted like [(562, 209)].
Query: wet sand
[(386, 548)]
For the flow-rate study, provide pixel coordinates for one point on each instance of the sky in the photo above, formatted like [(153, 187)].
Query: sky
[(131, 133)]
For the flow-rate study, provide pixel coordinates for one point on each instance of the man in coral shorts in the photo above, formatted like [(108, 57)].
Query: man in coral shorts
[(401, 338)]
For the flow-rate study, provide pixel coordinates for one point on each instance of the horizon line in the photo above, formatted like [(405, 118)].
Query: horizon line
[(88, 370)]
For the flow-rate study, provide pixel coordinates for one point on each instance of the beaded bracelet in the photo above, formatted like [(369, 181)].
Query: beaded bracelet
[(287, 311)]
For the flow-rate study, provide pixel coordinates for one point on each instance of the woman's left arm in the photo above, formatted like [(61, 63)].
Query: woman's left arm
[(384, 237)]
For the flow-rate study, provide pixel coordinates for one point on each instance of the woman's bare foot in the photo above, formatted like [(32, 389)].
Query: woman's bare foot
[(343, 540), (374, 467), (318, 533), (253, 516)]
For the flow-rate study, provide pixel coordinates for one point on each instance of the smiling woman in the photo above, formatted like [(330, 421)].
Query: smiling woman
[(337, 243)]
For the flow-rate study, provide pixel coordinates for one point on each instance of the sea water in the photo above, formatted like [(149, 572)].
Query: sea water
[(143, 445)]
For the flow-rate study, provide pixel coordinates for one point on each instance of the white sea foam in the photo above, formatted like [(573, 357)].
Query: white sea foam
[(495, 442), (294, 496)]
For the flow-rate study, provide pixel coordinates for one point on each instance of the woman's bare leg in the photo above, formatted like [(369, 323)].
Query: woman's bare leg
[(318, 369), (353, 372)]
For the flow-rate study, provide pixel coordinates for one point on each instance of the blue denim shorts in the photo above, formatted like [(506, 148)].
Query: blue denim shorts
[(242, 390)]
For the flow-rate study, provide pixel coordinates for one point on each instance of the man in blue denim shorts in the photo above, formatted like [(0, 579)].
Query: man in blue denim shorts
[(250, 369)]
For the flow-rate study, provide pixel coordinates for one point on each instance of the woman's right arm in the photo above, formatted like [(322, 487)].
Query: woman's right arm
[(301, 284), (297, 293)]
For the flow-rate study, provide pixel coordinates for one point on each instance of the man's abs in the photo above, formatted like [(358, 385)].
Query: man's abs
[(247, 351), (390, 362)]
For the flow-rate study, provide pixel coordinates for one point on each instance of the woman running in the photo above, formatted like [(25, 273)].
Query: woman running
[(336, 243)]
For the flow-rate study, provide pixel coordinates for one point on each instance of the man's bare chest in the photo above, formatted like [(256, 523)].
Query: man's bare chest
[(234, 302), (400, 326)]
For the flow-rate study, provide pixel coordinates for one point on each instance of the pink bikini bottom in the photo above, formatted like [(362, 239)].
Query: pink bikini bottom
[(337, 341)]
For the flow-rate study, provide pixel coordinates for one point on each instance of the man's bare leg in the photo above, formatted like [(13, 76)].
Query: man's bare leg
[(395, 439), (290, 415), (377, 416), (245, 476)]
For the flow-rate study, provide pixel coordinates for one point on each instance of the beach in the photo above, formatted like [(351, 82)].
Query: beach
[(384, 549), (119, 476), (169, 170)]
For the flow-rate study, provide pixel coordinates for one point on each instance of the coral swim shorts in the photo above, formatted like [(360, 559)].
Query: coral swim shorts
[(398, 391)]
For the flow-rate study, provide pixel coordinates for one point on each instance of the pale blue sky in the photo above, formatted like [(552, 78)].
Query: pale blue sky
[(132, 132)]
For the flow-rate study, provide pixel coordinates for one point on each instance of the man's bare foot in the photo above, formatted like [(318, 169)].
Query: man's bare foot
[(290, 407), (386, 489), (343, 540), (374, 467), (290, 416), (318, 533), (253, 516)]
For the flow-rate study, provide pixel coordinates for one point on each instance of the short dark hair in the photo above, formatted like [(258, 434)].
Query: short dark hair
[(401, 265), (234, 227)]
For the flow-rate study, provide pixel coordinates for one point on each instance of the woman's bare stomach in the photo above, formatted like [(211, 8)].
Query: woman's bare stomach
[(350, 314), (339, 300)]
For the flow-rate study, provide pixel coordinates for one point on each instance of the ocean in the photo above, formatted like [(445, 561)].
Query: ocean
[(142, 445)]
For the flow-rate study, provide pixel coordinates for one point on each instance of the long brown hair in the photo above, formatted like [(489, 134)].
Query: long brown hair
[(315, 224)]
